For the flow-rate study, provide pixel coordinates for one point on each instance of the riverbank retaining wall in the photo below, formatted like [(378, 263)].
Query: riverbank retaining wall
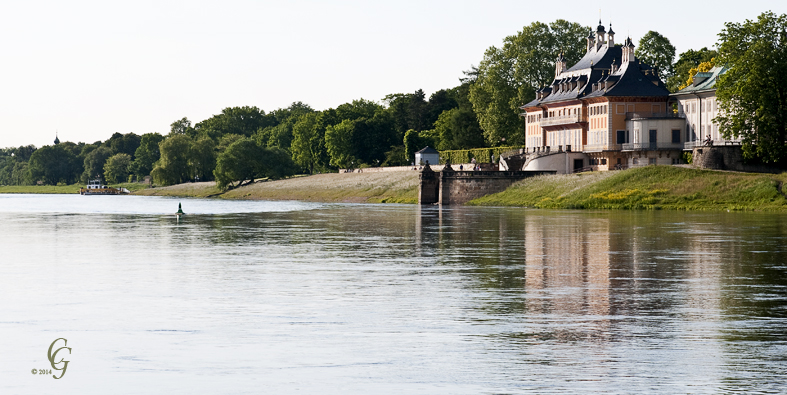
[(449, 187), (726, 157), (457, 167)]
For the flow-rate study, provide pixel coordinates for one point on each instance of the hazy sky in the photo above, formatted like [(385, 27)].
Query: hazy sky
[(88, 69)]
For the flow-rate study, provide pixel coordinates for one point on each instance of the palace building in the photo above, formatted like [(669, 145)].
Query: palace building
[(697, 104), (607, 111)]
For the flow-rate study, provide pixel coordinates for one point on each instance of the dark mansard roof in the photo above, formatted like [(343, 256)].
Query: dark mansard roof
[(595, 76)]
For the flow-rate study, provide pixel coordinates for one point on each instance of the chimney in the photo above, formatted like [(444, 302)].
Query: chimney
[(560, 64)]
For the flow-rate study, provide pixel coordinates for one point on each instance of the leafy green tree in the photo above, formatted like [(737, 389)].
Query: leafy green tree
[(20, 174), (753, 92), (173, 164), (244, 121), (415, 141), (244, 160), (117, 168), (123, 143), (458, 129), (276, 136), (23, 153), (94, 163), (395, 156), (13, 165), (508, 77), (202, 159), (295, 110), (687, 61), (656, 50), (146, 154), (412, 111), (227, 140), (308, 144), (372, 137), (280, 134), (339, 144), (360, 108), (53, 164), (239, 163), (181, 126), (276, 163)]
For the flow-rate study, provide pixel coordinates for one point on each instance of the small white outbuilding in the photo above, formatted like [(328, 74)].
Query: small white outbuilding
[(427, 155)]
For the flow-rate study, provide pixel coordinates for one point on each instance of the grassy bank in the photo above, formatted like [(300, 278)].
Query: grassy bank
[(61, 189), (382, 187), (651, 187)]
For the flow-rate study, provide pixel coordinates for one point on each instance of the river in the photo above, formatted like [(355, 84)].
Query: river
[(282, 297)]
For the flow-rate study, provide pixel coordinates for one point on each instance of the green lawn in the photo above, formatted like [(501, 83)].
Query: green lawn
[(651, 187), (73, 188)]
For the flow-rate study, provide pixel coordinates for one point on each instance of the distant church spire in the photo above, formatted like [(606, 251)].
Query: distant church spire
[(57, 140)]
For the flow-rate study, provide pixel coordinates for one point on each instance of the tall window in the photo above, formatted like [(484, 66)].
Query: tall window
[(676, 135)]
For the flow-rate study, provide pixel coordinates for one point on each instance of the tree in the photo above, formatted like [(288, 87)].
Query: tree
[(123, 143), (415, 141), (339, 144), (507, 77), (279, 134), (440, 101), (227, 140), (458, 129), (181, 126), (117, 168), (308, 143), (687, 61), (372, 137), (202, 159), (244, 160), (173, 164), (656, 50), (239, 163), (244, 121), (360, 108), (752, 93), (702, 67), (53, 164), (146, 154), (94, 163)]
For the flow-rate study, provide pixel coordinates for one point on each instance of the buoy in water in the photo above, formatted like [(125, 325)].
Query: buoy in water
[(180, 211)]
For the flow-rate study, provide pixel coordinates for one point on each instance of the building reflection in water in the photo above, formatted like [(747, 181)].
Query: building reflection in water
[(567, 269)]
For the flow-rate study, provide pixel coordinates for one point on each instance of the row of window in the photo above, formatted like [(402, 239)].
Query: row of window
[(710, 105), (598, 110)]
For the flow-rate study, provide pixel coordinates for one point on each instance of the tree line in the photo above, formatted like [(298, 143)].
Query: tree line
[(243, 143)]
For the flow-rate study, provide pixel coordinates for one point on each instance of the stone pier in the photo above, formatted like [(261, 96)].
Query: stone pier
[(459, 187)]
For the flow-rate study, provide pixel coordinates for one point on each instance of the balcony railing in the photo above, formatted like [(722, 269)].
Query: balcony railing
[(700, 143), (563, 120), (601, 147), (651, 146), (640, 115)]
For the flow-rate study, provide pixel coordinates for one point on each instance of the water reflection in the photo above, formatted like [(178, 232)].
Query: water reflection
[(402, 299)]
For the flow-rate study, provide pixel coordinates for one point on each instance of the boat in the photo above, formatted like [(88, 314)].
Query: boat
[(95, 187)]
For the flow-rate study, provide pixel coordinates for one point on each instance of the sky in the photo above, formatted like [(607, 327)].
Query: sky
[(86, 69)]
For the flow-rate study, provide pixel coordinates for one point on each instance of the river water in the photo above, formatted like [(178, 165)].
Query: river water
[(283, 297)]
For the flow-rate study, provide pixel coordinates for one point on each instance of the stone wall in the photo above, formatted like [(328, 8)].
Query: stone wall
[(460, 187), (428, 186), (725, 157)]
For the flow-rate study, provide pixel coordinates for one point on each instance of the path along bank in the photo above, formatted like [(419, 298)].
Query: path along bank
[(650, 187)]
